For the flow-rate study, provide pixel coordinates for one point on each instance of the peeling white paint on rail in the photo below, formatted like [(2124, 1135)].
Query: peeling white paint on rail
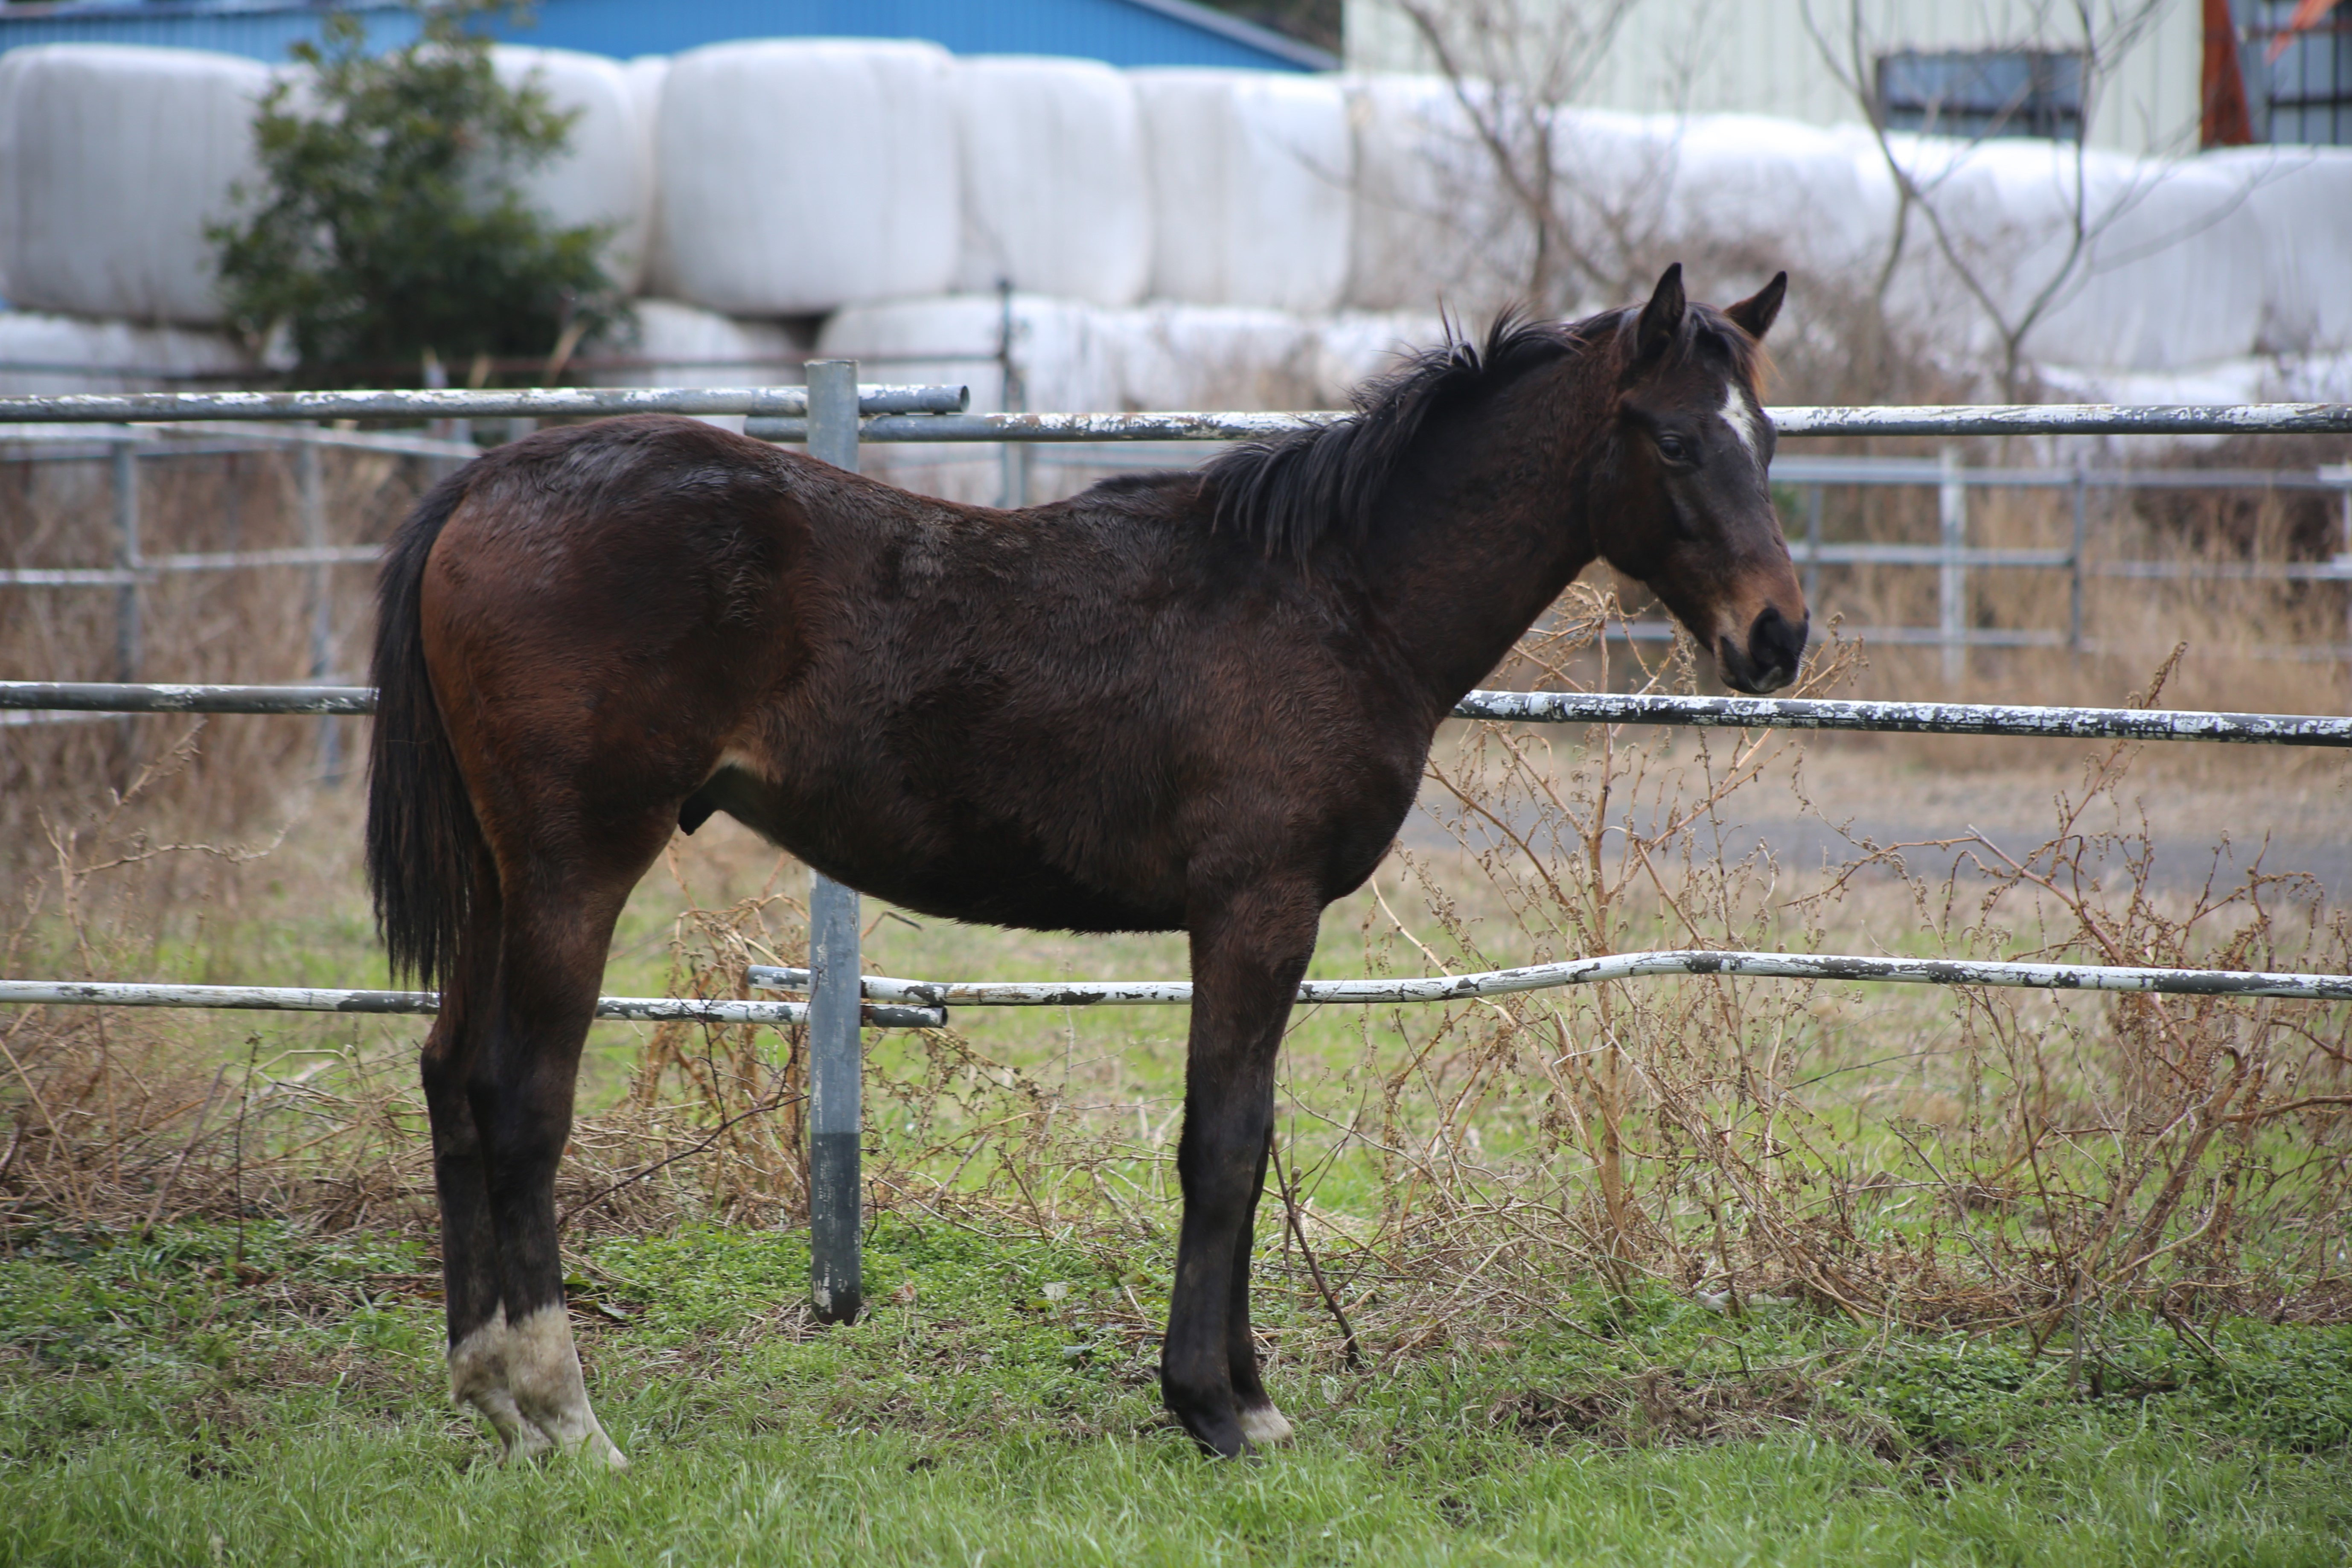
[(1967, 420), (1062, 426), (556, 402), (1532, 707), (1908, 717), (1618, 966), (2068, 419), (908, 413), (100, 697), (300, 999)]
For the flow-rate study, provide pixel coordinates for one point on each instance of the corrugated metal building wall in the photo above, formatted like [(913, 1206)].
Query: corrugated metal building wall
[(1121, 32), (1759, 57)]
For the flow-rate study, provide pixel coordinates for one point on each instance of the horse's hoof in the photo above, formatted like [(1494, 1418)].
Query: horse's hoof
[(1262, 1425), (525, 1444), (1220, 1437)]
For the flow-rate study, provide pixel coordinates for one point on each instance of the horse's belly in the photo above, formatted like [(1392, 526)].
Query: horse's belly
[(988, 873), (1033, 896)]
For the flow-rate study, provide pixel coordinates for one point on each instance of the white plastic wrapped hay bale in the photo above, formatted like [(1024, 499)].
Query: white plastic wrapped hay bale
[(684, 345), (1251, 173), (1213, 357), (799, 176), (1067, 354), (1612, 183), (2300, 201), (1055, 197), (1356, 346), (2223, 381), (1431, 217), (2160, 282), (113, 160), (2165, 283), (42, 352), (1775, 194), (643, 78), (605, 175)]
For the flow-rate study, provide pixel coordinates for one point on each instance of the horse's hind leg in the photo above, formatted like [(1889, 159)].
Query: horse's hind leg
[(1247, 960), (470, 1246), (559, 902)]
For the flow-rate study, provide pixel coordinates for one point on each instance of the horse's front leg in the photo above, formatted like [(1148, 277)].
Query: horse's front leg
[(1248, 955)]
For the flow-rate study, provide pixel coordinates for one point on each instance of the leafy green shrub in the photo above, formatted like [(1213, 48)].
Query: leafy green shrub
[(388, 230)]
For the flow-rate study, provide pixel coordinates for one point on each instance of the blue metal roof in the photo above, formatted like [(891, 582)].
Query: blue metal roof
[(1121, 32)]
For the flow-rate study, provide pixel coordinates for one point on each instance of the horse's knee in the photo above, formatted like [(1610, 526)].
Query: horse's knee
[(443, 1076)]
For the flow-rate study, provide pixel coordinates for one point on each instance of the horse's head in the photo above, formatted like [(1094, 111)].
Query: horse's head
[(1686, 508)]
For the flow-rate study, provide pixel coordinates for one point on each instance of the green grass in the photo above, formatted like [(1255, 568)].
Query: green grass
[(186, 1398)]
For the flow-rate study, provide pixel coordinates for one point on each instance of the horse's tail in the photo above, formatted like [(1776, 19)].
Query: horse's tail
[(422, 842)]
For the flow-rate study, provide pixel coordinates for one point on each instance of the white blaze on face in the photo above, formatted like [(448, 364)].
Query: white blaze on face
[(1740, 416)]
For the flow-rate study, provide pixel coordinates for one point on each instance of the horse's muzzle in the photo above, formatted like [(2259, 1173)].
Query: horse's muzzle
[(1768, 660)]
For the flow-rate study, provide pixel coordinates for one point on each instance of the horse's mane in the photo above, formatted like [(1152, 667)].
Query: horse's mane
[(1290, 494)]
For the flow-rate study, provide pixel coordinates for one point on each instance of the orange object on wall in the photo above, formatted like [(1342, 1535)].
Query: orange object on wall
[(2226, 122)]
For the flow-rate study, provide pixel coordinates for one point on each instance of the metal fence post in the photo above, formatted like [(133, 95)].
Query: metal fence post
[(836, 1188), (2075, 559), (310, 499), (1014, 397), (125, 475), (1952, 582), (2341, 473)]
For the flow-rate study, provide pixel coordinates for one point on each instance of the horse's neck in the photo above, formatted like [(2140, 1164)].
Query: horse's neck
[(1490, 530)]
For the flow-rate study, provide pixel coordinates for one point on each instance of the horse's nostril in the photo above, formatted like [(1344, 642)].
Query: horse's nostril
[(1776, 643)]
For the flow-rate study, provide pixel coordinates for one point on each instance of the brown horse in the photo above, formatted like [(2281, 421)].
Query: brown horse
[(1196, 701)]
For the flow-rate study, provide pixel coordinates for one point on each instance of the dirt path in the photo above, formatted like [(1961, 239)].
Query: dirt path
[(2294, 813)]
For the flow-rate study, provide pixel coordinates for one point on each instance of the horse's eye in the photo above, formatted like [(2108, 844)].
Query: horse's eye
[(1674, 448)]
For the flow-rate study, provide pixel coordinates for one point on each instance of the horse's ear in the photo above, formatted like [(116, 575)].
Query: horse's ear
[(1662, 318), (1756, 312)]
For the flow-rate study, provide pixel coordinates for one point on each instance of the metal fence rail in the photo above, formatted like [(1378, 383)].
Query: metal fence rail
[(1827, 967), (893, 413), (306, 999), (1520, 707), (437, 402), (1908, 717), (1986, 419), (105, 696)]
